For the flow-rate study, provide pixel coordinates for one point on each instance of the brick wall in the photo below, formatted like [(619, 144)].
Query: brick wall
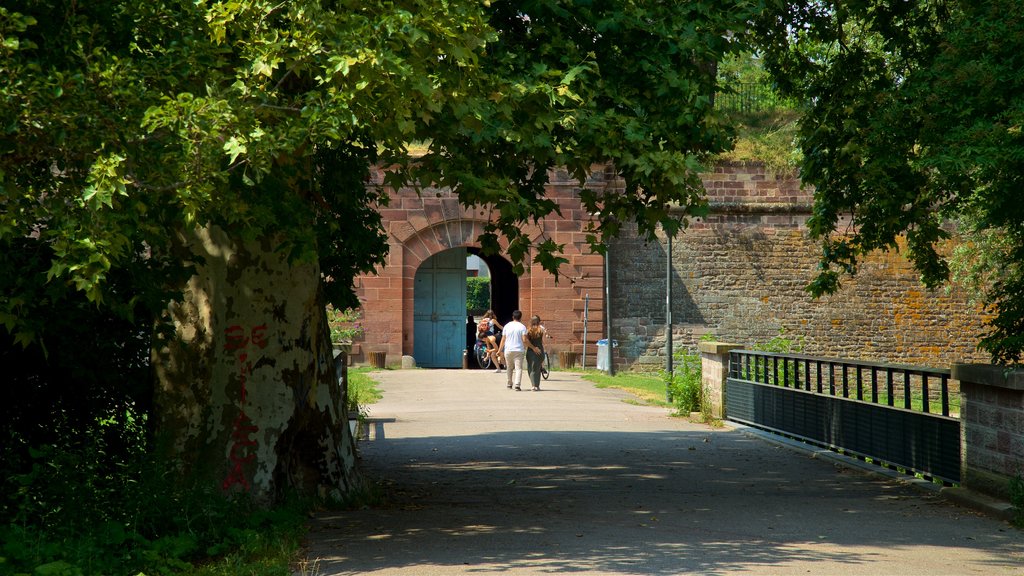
[(421, 225)]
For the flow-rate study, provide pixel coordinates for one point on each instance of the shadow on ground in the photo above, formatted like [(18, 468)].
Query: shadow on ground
[(671, 502)]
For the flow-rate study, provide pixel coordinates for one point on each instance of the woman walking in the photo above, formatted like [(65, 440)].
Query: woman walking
[(535, 351)]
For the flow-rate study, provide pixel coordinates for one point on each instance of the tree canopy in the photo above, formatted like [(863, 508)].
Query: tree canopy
[(125, 121), (914, 121)]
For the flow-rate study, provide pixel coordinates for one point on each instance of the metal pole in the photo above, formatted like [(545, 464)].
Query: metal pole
[(668, 319), (586, 314), (608, 309)]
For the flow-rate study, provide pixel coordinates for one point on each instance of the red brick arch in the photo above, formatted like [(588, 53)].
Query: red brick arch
[(421, 225)]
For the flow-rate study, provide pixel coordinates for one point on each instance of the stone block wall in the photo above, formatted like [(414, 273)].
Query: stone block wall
[(740, 275), (992, 434), (422, 224)]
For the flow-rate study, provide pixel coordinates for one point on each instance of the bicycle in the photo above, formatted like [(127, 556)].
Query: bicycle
[(483, 359), (545, 368)]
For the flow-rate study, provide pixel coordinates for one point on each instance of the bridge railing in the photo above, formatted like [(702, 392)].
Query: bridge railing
[(917, 388), (890, 414)]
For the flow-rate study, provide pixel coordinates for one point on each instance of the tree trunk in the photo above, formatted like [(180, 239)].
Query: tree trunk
[(249, 398)]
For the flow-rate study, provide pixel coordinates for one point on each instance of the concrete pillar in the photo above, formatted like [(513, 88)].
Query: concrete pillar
[(992, 427), (714, 365)]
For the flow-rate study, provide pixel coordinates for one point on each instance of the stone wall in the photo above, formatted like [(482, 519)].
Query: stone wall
[(740, 273), (993, 427)]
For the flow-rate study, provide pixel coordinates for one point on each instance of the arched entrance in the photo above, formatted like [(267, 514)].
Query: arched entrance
[(439, 310), (400, 316)]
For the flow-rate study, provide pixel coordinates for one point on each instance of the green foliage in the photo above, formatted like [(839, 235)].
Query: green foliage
[(766, 123), (128, 121), (67, 518), (478, 294), (684, 382), (781, 344), (768, 137), (362, 390), (344, 324), (914, 119)]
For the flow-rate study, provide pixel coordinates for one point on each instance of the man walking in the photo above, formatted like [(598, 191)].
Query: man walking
[(513, 347)]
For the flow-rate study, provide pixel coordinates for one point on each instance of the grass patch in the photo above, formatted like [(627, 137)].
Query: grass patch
[(362, 389), (768, 137), (649, 389)]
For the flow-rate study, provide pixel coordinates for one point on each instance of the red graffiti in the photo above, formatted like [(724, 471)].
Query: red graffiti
[(240, 451), (243, 446), (237, 338)]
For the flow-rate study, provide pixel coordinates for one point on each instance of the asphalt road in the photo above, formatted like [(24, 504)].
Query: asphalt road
[(480, 479)]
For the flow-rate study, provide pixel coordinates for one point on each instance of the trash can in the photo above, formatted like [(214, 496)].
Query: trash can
[(604, 353)]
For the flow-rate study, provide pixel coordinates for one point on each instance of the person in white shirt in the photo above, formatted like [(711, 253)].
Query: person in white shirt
[(513, 348)]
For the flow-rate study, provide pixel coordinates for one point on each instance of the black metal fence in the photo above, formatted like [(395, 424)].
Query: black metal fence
[(909, 387), (897, 415)]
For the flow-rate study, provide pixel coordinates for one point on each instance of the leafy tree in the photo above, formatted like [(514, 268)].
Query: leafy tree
[(478, 294), (212, 158), (915, 114)]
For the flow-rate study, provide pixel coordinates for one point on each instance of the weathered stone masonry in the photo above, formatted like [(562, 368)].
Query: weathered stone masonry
[(993, 427), (739, 274)]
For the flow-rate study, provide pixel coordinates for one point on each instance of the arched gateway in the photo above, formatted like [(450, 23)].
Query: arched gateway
[(410, 304)]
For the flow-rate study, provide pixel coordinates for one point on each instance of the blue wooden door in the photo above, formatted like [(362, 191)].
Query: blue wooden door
[(439, 310)]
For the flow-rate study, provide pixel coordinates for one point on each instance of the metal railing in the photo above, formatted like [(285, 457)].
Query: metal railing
[(892, 415), (910, 387)]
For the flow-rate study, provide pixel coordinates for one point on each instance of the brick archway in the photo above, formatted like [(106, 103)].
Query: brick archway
[(421, 225)]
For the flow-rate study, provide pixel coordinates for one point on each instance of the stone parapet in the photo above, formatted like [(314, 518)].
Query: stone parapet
[(992, 431), (714, 363)]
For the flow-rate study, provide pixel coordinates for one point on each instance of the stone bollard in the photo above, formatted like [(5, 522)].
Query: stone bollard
[(714, 367)]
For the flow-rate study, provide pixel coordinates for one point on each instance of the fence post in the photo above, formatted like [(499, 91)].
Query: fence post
[(714, 368), (992, 435)]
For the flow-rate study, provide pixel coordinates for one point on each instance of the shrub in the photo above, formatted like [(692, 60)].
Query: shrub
[(685, 381)]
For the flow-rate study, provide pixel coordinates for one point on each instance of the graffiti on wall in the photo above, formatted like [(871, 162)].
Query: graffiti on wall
[(239, 343)]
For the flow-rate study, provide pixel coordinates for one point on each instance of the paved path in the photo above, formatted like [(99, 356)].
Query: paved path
[(575, 480)]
